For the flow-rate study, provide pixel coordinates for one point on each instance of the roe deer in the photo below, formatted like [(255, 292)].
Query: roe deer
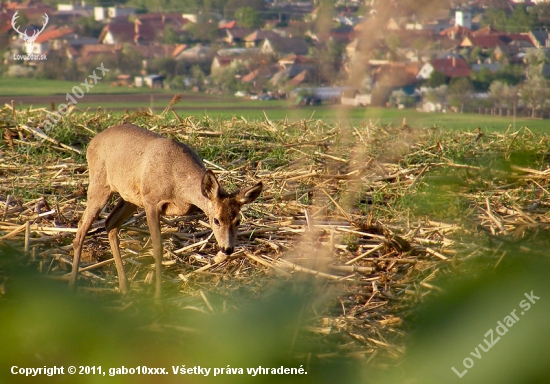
[(163, 176)]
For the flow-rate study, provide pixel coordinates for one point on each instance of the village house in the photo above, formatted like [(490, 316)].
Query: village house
[(85, 53), (149, 53), (279, 46), (381, 55), (116, 12), (391, 77), (33, 9), (145, 30), (257, 37), (236, 36), (449, 66), (117, 33)]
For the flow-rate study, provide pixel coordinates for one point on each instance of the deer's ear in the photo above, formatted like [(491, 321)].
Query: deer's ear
[(210, 187), (248, 195)]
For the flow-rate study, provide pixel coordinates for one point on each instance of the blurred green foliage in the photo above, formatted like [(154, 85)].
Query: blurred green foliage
[(450, 327), (43, 324)]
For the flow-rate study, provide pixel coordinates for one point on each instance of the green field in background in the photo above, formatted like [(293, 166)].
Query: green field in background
[(10, 86), (226, 107)]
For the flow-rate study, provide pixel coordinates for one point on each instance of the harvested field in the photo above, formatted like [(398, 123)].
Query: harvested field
[(370, 216)]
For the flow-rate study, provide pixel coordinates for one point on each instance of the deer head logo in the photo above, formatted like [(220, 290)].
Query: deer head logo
[(26, 38)]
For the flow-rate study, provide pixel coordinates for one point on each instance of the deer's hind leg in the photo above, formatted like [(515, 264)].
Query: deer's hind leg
[(98, 196), (116, 218)]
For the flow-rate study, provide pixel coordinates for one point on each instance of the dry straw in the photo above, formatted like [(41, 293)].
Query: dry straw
[(342, 205)]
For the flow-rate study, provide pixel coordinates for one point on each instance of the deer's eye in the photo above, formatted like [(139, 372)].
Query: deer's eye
[(217, 222)]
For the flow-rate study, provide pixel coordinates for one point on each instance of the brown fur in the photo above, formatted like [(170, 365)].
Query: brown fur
[(163, 176)]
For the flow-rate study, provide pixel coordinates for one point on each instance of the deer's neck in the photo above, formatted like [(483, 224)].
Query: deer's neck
[(202, 203), (189, 193)]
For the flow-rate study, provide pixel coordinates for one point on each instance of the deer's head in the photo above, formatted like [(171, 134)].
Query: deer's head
[(26, 38), (225, 209)]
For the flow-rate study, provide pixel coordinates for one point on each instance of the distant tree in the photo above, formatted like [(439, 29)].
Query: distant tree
[(59, 67), (535, 60), (461, 91), (110, 61), (542, 12), (327, 58), (88, 26), (178, 82), (4, 41), (216, 6), (203, 30), (534, 93), (169, 36), (393, 42), (226, 80), (521, 20), (130, 60), (482, 79), (324, 19), (438, 94), (161, 5), (419, 44), (510, 74), (497, 94), (495, 17), (495, 4), (511, 97), (399, 97), (247, 17), (54, 3), (436, 79), (197, 74), (476, 54), (298, 28), (22, 21), (232, 6), (164, 66)]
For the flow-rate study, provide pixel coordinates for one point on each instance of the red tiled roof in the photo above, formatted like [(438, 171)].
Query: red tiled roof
[(494, 40), (121, 31), (298, 79), (177, 50), (457, 31), (54, 33), (157, 51), (5, 21), (484, 41), (489, 30), (238, 33), (149, 29), (263, 71), (397, 74), (229, 25), (260, 35), (149, 26), (288, 45), (520, 37), (86, 52), (29, 5), (451, 67), (251, 76)]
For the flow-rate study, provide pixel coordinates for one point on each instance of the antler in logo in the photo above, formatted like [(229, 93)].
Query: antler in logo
[(26, 38)]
